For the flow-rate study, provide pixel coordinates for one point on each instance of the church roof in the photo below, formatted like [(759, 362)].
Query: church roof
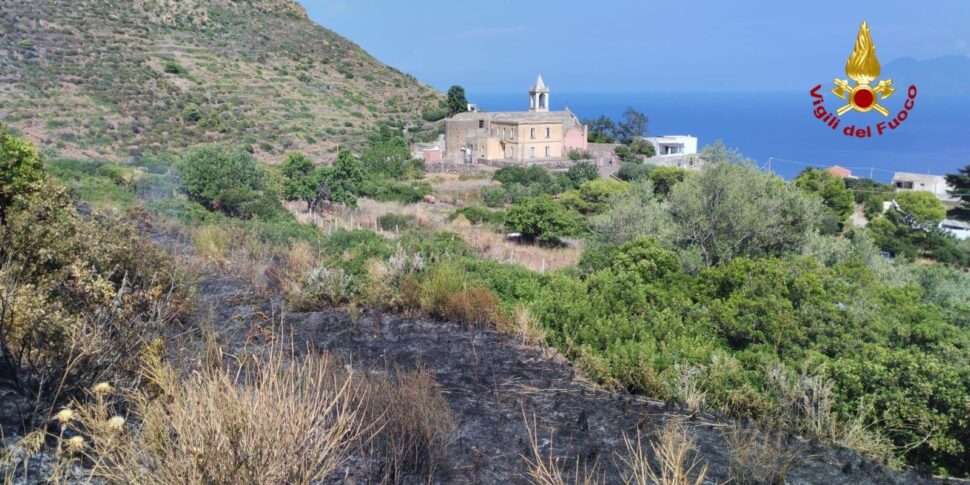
[(566, 117)]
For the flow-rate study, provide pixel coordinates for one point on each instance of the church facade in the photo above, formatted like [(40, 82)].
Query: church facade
[(533, 136)]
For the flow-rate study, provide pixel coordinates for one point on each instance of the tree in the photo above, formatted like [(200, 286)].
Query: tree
[(593, 196), (391, 158), (836, 197), (635, 171), (582, 172), (301, 179), (665, 178), (643, 147), (633, 126), (212, 174), (601, 130), (635, 151), (921, 208), (719, 153), (341, 183), (961, 184), (21, 169), (457, 103), (540, 218), (734, 210)]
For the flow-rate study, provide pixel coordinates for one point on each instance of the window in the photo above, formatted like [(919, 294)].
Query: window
[(548, 132), (532, 152), (481, 123), (532, 133), (547, 149)]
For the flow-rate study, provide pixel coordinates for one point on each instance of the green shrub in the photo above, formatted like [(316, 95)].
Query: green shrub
[(79, 296), (495, 196), (434, 114), (531, 175), (580, 173), (21, 169), (478, 215), (577, 155), (632, 172), (664, 179), (395, 222), (392, 191), (434, 246), (389, 156), (191, 113), (350, 250), (212, 173), (593, 196), (540, 218)]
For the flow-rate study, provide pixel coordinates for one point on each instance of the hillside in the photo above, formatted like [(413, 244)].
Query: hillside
[(120, 79)]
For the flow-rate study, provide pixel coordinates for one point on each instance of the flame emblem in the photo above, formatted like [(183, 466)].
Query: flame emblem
[(863, 68)]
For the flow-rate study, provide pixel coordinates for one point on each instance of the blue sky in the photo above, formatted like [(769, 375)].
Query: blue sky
[(639, 45)]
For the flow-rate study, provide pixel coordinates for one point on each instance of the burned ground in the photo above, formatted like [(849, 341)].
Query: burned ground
[(496, 388)]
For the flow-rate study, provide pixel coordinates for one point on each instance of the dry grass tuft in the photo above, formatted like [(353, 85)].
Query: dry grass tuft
[(546, 469), (758, 456), (805, 403), (525, 326), (210, 241), (276, 420), (677, 460), (475, 307), (413, 423)]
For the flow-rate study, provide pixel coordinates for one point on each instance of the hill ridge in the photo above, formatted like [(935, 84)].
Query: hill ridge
[(100, 78)]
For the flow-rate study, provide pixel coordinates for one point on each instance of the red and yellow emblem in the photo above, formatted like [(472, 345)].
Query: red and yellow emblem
[(863, 68)]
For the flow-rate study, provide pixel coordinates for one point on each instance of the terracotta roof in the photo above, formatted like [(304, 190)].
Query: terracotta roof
[(840, 172)]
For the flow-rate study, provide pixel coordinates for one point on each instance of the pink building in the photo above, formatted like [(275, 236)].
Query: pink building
[(431, 155)]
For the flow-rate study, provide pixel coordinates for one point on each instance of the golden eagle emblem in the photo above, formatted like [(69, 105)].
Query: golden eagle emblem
[(863, 68)]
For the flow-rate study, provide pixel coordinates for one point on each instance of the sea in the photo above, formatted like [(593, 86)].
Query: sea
[(780, 131)]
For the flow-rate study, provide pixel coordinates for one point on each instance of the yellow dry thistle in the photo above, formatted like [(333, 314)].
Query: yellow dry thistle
[(75, 444), (102, 388), (64, 416), (116, 423)]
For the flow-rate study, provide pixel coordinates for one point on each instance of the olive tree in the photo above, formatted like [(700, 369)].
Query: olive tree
[(300, 179), (732, 210)]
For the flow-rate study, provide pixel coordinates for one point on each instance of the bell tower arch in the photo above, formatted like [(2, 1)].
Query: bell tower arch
[(539, 96)]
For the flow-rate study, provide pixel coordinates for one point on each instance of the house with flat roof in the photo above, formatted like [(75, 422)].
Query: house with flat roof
[(936, 184), (959, 229), (673, 145)]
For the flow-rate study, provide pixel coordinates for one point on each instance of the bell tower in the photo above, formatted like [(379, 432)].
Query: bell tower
[(539, 96)]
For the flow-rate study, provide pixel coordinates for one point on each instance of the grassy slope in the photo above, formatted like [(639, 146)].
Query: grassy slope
[(87, 77)]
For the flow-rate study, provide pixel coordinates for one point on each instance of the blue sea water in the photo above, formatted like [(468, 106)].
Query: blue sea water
[(934, 138)]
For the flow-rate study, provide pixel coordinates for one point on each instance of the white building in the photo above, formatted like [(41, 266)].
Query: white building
[(959, 229), (935, 184), (673, 145)]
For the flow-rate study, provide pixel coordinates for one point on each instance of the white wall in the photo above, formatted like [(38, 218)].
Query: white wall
[(689, 143)]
